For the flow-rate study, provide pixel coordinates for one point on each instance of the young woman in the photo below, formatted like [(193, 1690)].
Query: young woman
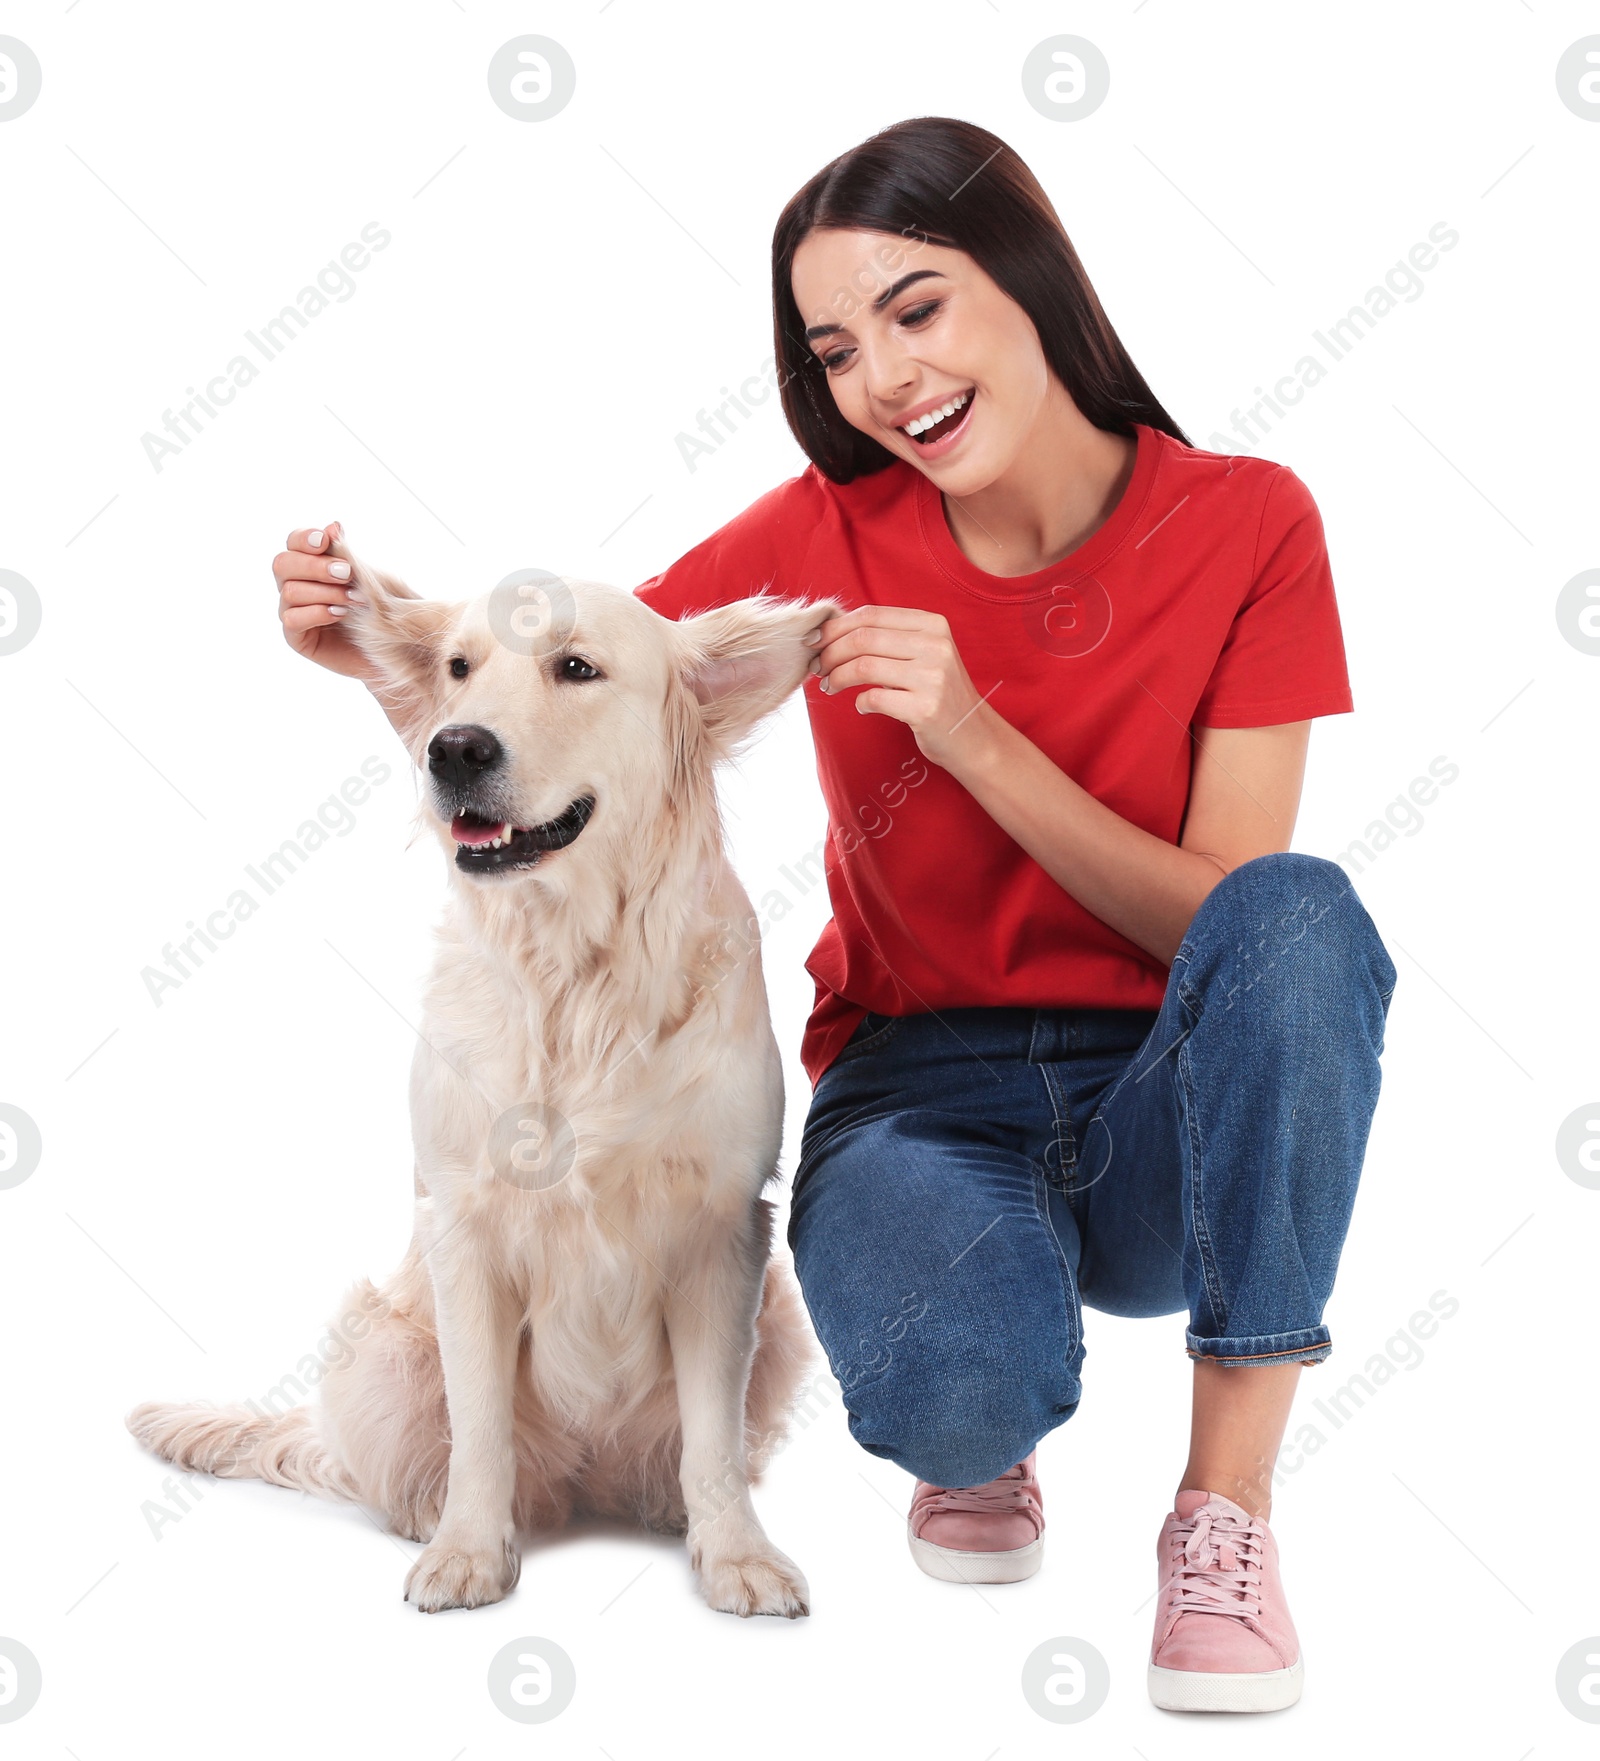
[(1086, 1033)]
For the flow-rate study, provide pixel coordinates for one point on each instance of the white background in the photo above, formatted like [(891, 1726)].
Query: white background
[(505, 388)]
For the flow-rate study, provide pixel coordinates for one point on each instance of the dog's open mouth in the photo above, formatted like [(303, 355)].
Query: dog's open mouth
[(491, 846)]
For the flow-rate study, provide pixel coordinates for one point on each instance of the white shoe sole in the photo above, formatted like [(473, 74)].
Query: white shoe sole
[(956, 1565), (1200, 1690)]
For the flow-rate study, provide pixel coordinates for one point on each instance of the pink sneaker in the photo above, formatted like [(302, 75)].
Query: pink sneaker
[(989, 1534), (1224, 1641)]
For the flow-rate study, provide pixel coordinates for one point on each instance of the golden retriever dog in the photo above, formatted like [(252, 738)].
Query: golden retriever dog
[(587, 1320)]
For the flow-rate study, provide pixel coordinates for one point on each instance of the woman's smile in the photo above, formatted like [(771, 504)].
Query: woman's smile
[(935, 427)]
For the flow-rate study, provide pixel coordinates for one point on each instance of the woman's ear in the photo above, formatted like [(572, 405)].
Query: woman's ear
[(740, 661), (405, 638)]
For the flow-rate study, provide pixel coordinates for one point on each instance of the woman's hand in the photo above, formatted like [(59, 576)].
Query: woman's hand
[(908, 660), (313, 601)]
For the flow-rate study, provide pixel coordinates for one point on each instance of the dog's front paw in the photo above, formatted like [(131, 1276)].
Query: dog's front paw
[(764, 1582), (447, 1576)]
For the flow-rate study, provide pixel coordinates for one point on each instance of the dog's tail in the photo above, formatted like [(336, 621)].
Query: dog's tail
[(243, 1443)]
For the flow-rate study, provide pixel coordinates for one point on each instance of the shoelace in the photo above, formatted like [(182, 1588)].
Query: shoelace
[(1218, 1568), (1008, 1493)]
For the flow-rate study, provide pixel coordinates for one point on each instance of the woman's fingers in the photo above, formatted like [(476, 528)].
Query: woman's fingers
[(314, 598), (298, 618), (295, 565), (317, 593), (302, 558), (314, 538)]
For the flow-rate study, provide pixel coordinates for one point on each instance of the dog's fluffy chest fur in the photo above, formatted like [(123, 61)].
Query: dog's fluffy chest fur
[(606, 1058)]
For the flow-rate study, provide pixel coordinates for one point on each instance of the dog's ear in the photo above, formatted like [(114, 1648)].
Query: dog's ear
[(743, 659), (404, 637)]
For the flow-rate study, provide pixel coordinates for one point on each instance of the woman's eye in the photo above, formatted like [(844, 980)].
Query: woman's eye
[(915, 316), (575, 667), (459, 668)]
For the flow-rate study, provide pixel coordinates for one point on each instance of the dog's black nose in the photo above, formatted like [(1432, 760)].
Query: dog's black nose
[(462, 755)]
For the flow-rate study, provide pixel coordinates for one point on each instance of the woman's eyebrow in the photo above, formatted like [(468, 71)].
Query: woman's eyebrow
[(878, 304)]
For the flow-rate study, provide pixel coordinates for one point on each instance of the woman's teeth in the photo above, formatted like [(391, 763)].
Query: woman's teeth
[(923, 423)]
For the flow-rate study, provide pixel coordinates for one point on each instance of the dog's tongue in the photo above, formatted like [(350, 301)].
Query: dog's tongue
[(466, 829)]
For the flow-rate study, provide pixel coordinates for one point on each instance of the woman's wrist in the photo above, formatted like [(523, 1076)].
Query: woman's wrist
[(982, 745)]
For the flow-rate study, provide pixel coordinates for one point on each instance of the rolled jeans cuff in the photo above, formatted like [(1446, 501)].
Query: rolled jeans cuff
[(1310, 1345)]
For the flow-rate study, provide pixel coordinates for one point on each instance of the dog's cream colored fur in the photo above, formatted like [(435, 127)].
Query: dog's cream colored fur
[(609, 1335)]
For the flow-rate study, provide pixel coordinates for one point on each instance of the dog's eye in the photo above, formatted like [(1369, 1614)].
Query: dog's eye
[(575, 667), (459, 668)]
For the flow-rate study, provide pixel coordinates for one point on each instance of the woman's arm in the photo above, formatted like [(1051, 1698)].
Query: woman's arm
[(1243, 798)]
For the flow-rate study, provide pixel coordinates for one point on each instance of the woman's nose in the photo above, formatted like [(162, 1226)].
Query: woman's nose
[(889, 377)]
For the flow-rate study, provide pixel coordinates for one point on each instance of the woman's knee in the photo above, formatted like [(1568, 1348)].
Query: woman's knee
[(1286, 934), (937, 1289), (960, 1423)]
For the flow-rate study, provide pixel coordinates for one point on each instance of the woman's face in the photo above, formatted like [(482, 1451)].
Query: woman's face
[(904, 327)]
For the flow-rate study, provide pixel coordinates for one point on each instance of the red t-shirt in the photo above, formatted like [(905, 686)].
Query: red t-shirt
[(1205, 600)]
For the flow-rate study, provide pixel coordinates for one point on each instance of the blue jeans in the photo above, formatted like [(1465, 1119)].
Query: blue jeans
[(970, 1179)]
